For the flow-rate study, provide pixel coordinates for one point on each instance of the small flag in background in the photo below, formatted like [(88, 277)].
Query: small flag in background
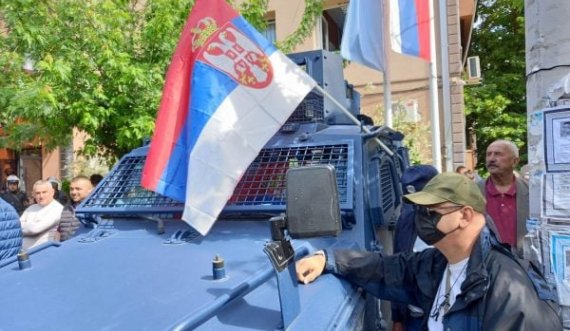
[(227, 91), (363, 35), (410, 27)]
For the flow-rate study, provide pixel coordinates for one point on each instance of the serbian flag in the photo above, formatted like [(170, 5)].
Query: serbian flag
[(409, 27), (227, 91), (363, 35)]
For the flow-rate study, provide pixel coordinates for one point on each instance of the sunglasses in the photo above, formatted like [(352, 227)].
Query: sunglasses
[(434, 211)]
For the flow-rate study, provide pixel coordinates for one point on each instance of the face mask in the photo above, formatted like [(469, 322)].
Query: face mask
[(426, 225)]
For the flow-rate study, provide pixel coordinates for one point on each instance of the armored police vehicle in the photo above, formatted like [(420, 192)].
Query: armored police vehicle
[(322, 181)]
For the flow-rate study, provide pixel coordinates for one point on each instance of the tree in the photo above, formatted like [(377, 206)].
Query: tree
[(497, 107), (98, 66)]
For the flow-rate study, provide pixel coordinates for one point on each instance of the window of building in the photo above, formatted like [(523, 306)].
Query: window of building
[(270, 32), (331, 26), (324, 33)]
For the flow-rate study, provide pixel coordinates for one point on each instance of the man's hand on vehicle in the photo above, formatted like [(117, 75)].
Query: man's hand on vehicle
[(309, 268)]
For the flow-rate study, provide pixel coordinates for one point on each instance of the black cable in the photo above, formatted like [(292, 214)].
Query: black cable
[(547, 69)]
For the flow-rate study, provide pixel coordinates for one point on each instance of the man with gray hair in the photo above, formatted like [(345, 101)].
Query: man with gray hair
[(40, 220), (506, 194)]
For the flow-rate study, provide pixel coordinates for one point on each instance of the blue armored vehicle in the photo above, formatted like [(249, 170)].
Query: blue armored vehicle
[(134, 265)]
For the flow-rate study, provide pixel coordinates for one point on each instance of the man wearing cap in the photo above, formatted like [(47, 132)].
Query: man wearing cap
[(39, 221), (13, 195), (468, 281)]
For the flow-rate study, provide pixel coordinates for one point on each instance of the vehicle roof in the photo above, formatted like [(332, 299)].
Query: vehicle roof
[(124, 276)]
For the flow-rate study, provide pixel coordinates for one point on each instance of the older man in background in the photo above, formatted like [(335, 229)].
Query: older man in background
[(40, 220), (506, 195), (79, 189)]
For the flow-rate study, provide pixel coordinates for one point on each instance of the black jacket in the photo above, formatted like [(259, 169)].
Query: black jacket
[(500, 292), (17, 200)]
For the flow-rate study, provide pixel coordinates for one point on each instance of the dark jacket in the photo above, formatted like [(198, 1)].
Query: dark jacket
[(60, 196), (68, 223), (10, 231), (499, 292), (413, 180), (17, 200)]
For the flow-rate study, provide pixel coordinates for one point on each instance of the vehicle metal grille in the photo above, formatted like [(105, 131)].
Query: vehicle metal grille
[(121, 190), (310, 110), (264, 181), (262, 184), (387, 188)]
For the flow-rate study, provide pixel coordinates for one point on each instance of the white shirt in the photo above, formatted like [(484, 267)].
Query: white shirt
[(39, 223), (458, 271)]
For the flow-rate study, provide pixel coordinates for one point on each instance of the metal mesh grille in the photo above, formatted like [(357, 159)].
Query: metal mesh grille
[(264, 181), (121, 189), (262, 184), (310, 110)]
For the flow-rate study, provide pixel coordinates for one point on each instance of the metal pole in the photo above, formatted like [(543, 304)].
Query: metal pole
[(387, 97), (352, 118), (445, 86), (434, 94), (388, 119)]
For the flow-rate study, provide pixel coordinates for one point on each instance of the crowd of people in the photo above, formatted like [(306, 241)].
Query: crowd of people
[(458, 246), (48, 214)]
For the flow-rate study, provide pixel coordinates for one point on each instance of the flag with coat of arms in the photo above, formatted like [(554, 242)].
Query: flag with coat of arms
[(227, 91)]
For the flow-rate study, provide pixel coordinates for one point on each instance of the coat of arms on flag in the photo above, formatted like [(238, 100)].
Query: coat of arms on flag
[(230, 51)]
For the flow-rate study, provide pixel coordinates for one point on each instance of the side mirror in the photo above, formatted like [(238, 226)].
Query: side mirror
[(313, 209)]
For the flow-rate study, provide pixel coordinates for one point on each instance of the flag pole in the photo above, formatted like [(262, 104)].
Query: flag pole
[(433, 93), (445, 85), (386, 73), (352, 118)]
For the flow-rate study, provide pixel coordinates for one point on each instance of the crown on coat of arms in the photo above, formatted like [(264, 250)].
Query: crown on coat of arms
[(202, 31)]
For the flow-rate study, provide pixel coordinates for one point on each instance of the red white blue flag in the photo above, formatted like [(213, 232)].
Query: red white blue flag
[(227, 91), (410, 27)]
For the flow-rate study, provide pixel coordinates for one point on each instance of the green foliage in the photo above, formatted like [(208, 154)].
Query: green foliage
[(497, 107), (313, 11), (99, 67), (254, 12), (65, 184)]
